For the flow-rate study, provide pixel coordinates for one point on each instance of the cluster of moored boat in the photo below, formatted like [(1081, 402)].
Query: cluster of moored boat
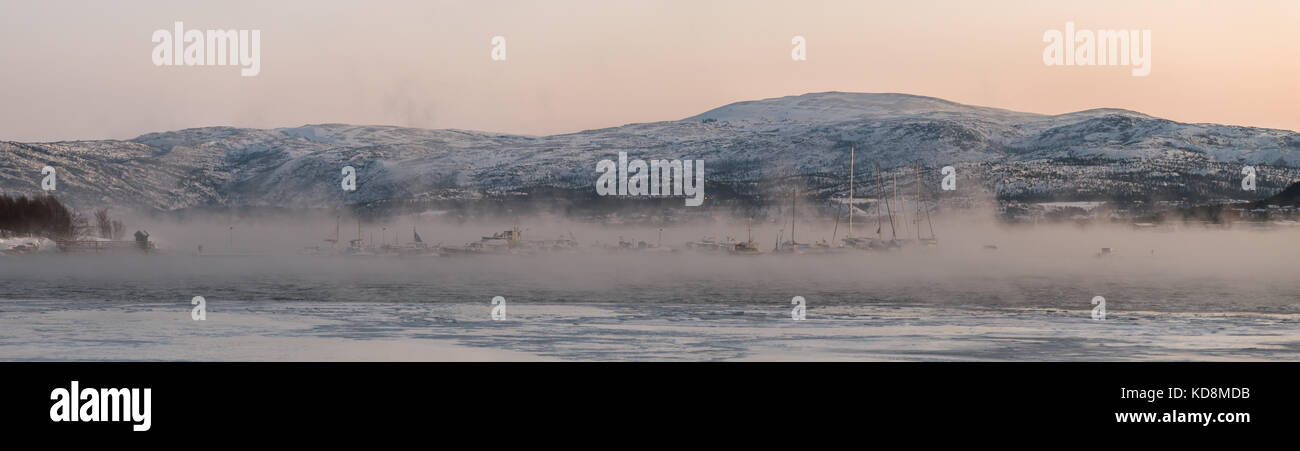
[(513, 242)]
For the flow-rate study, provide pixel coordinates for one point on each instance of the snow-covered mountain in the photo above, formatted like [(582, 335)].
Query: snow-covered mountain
[(746, 145)]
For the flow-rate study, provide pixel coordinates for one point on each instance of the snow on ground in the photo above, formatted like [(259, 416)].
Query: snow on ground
[(24, 245)]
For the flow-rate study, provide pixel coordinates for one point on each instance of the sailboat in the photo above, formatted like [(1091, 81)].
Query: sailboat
[(880, 242), (823, 246), (333, 240), (932, 240), (417, 247), (357, 246), (792, 246), (749, 247), (850, 240)]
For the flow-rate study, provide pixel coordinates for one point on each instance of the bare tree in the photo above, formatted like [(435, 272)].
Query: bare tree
[(80, 228), (103, 224)]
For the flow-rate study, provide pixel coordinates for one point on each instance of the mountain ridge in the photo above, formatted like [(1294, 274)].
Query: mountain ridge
[(747, 145)]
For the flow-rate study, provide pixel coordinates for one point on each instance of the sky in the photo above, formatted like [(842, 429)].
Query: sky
[(85, 69)]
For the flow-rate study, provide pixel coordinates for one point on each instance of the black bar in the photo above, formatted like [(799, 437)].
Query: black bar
[(235, 400)]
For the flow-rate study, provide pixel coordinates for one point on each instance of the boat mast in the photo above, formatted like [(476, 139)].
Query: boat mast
[(836, 230), (916, 219), (749, 229), (901, 219), (930, 221), (927, 219), (880, 195), (837, 218), (879, 220)]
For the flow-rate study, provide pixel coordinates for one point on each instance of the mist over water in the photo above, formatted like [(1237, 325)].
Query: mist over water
[(1185, 269), (1187, 293)]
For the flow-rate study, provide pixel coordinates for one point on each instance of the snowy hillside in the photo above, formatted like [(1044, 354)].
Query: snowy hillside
[(805, 138)]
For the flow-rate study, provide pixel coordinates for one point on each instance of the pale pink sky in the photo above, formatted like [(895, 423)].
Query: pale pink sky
[(82, 69)]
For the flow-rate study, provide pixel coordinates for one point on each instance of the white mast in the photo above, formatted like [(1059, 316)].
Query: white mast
[(916, 219)]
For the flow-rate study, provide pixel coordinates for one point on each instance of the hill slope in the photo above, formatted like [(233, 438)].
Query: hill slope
[(747, 146)]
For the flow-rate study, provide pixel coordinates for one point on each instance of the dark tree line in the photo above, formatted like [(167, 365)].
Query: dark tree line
[(40, 215)]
